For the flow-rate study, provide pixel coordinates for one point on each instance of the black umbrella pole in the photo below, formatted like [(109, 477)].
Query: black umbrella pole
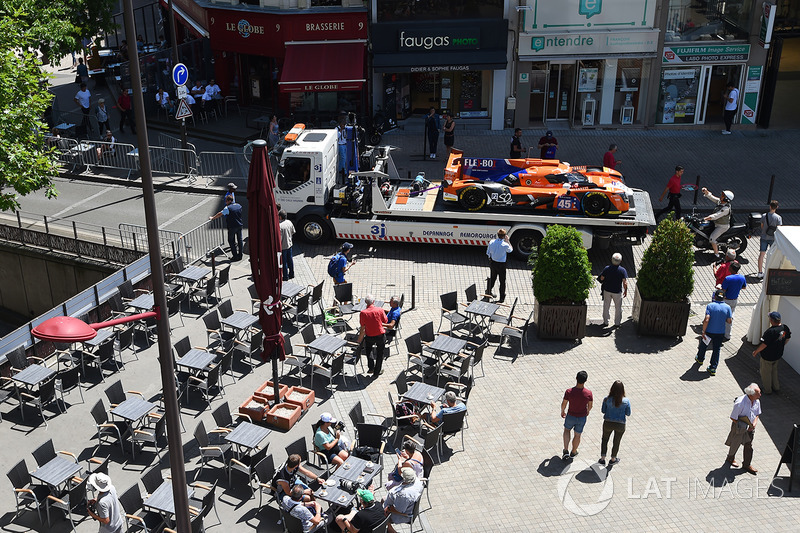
[(275, 375)]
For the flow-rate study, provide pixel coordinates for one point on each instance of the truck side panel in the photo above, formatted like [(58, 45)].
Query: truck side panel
[(422, 232)]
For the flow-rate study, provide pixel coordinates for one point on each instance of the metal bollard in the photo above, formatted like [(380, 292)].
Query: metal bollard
[(771, 186), (413, 292), (696, 189)]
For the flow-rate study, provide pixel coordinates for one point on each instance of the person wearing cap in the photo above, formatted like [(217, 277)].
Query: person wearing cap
[(548, 145), (614, 286), (105, 508), (372, 333), (233, 218), (721, 215), (723, 270), (449, 406), (364, 517), (231, 191), (718, 313), (399, 503), (308, 512), (341, 265), (771, 349), (327, 441), (733, 285)]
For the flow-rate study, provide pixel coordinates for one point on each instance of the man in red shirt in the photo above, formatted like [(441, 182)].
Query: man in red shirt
[(609, 160), (579, 399), (372, 321), (673, 189), (723, 270)]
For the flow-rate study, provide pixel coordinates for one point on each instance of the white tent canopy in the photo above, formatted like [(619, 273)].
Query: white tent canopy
[(784, 254)]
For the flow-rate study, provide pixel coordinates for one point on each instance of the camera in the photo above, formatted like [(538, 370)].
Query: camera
[(339, 426), (92, 506), (350, 486)]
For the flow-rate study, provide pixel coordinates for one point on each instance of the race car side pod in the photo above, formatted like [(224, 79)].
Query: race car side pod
[(544, 200)]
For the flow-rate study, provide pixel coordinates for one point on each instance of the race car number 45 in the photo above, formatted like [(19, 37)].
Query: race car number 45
[(567, 203)]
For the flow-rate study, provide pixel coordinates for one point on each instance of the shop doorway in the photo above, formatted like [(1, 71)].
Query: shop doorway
[(559, 91), (715, 79), (538, 97)]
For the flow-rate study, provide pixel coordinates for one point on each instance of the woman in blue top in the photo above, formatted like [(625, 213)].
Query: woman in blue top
[(616, 407)]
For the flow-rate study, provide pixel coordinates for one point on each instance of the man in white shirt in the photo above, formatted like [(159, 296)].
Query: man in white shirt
[(84, 99), (744, 417), (498, 251), (212, 95), (731, 103), (287, 234)]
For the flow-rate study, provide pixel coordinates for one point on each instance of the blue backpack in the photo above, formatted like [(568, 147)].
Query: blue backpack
[(333, 265)]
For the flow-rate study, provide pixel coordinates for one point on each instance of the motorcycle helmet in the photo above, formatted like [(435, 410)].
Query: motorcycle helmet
[(728, 194)]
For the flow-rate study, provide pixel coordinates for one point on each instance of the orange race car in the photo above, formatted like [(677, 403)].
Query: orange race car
[(541, 184)]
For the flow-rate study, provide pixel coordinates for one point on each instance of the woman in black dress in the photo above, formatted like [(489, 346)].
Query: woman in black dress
[(449, 132)]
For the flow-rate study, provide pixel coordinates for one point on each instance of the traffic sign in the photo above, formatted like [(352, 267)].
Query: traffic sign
[(184, 111), (180, 74), (182, 91)]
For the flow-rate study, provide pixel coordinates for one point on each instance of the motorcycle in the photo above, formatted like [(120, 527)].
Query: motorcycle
[(379, 125), (735, 238)]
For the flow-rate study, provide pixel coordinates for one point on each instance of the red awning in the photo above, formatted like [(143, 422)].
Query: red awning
[(319, 67)]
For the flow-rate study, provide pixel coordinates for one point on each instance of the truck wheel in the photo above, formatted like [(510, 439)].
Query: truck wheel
[(524, 243), (595, 204), (315, 229), (472, 198), (737, 243)]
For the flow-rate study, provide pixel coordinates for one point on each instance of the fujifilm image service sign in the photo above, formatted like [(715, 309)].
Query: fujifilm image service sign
[(435, 39)]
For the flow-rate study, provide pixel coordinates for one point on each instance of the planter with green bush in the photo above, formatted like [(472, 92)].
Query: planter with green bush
[(562, 277), (664, 282)]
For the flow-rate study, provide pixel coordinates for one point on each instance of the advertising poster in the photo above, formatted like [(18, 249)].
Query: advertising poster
[(587, 83)]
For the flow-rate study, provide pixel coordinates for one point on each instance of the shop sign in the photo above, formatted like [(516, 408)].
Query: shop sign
[(767, 23), (244, 28), (752, 87), (558, 16), (445, 39), (711, 53), (620, 42), (445, 68)]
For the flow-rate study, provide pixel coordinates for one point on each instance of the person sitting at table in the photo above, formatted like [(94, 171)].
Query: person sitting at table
[(364, 517), (309, 513), (108, 149), (392, 318), (450, 405), (286, 478), (162, 97), (327, 441), (409, 457), (197, 89), (211, 96), (399, 503), (140, 43)]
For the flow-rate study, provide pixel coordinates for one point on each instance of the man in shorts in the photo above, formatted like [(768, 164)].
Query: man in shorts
[(574, 409), (363, 518)]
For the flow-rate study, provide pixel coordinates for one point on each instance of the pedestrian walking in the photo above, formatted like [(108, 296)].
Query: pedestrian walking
[(613, 286), (733, 285), (721, 215), (84, 99), (105, 508), (338, 264), (498, 251), (744, 418), (274, 131), (718, 313), (83, 71), (449, 132), (575, 407), (125, 112), (233, 218), (548, 145), (517, 150), (673, 193), (287, 234), (432, 127), (372, 333), (722, 267), (616, 408), (771, 349), (731, 98), (101, 113), (608, 158), (769, 224)]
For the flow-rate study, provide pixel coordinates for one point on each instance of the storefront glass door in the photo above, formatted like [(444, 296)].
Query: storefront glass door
[(559, 90), (716, 78), (538, 96)]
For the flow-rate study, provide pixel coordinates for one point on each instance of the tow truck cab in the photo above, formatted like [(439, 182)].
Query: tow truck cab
[(307, 171)]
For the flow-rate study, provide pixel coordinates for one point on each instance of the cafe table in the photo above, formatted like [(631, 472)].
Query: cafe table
[(353, 469), (56, 472), (162, 500), (479, 314), (240, 322), (143, 302), (247, 436), (133, 410), (446, 347), (33, 374), (196, 361), (326, 346)]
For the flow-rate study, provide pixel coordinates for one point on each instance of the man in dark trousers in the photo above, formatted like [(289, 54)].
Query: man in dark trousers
[(517, 150), (548, 146), (373, 321), (614, 284), (233, 218), (718, 313), (673, 192), (771, 349), (432, 127), (498, 251)]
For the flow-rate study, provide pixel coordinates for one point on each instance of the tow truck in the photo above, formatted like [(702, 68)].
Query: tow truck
[(377, 205)]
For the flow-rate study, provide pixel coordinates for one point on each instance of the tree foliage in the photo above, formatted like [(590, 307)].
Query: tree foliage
[(667, 271), (561, 272)]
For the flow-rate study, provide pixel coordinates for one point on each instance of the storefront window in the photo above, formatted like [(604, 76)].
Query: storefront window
[(629, 91), (320, 108), (392, 10), (461, 93), (677, 99), (713, 20), (590, 83)]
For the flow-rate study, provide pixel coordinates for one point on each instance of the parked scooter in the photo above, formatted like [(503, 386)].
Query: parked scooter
[(378, 126), (734, 239)]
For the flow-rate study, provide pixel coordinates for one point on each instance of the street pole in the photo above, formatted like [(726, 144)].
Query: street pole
[(174, 43), (176, 461)]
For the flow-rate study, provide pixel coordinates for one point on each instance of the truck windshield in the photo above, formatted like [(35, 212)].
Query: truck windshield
[(293, 172)]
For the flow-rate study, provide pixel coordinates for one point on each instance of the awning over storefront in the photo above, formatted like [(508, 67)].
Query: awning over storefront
[(323, 66), (188, 20), (442, 61)]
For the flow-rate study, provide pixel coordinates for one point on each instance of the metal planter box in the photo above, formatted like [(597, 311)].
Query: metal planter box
[(669, 319), (560, 321)]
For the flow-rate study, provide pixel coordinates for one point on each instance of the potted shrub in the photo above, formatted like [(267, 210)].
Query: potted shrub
[(562, 278), (665, 281)]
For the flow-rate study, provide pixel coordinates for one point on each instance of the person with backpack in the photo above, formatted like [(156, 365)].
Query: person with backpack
[(548, 145), (769, 224), (338, 265)]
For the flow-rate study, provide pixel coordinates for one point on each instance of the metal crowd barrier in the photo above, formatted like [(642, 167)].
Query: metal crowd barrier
[(203, 240), (170, 141), (226, 165), (135, 237), (174, 162), (114, 155)]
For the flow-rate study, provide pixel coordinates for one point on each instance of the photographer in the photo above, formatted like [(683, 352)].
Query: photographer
[(105, 508), (329, 440), (363, 518)]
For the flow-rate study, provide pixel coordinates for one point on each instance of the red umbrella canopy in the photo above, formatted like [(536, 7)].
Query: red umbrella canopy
[(265, 247)]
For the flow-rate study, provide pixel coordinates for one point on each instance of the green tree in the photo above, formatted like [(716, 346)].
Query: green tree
[(667, 271), (561, 271)]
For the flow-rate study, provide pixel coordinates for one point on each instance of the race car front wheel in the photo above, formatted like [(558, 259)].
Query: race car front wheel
[(595, 204), (472, 198)]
